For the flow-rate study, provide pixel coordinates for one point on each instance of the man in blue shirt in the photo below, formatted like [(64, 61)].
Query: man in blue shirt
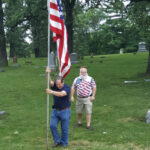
[(61, 110)]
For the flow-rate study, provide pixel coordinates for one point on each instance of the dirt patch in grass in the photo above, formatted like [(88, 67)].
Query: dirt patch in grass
[(3, 116), (84, 145), (130, 119)]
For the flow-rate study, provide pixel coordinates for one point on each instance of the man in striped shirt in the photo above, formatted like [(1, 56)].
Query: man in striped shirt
[(86, 90)]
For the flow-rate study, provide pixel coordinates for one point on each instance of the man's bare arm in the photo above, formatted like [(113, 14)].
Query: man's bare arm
[(72, 94), (93, 94), (48, 70), (55, 93)]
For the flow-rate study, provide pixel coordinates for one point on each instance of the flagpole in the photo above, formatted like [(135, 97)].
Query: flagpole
[(48, 78)]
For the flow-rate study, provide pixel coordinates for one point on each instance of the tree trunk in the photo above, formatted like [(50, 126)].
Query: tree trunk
[(69, 25), (3, 54), (35, 34), (148, 66), (12, 51), (69, 7)]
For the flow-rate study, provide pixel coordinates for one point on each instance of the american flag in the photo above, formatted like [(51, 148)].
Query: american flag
[(57, 25)]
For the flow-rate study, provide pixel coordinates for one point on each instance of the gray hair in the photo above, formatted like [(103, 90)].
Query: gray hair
[(83, 67), (59, 78)]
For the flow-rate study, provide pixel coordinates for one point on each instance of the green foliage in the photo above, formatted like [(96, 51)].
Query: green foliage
[(3, 54), (99, 27), (86, 24), (139, 13), (16, 28), (105, 30)]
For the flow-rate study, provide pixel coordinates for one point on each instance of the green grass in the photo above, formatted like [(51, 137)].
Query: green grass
[(119, 109)]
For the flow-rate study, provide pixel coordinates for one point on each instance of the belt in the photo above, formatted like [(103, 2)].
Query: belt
[(83, 96), (62, 108)]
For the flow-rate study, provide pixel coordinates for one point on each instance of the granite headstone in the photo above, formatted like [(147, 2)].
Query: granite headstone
[(52, 62), (74, 58), (121, 50), (148, 116), (142, 47)]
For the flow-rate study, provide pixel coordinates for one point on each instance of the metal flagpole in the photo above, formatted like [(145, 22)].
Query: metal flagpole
[(48, 78)]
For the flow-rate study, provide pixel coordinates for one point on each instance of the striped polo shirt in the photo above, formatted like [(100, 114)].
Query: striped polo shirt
[(84, 87)]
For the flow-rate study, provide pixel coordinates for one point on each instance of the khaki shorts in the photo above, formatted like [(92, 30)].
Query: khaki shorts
[(83, 102)]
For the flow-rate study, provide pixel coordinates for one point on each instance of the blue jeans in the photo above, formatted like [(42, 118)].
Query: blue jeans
[(63, 116)]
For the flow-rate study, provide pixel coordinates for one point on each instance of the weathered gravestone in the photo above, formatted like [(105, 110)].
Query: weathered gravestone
[(147, 80), (121, 50), (148, 116), (52, 62), (2, 112), (1, 70), (126, 82), (74, 58), (15, 59), (142, 47)]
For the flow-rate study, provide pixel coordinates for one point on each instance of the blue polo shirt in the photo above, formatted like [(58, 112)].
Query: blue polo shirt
[(61, 102)]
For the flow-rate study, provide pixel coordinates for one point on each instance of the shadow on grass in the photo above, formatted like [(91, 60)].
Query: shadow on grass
[(143, 75)]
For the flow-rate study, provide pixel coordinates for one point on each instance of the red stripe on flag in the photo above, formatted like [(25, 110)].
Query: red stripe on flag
[(55, 18), (54, 6), (66, 62), (66, 73), (57, 31)]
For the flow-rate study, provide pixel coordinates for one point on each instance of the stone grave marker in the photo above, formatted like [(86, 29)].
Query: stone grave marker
[(121, 51), (52, 62), (73, 58), (142, 47), (148, 116)]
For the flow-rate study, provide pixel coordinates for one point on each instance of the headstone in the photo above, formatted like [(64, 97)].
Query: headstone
[(2, 112), (73, 58), (121, 50), (15, 59), (52, 61), (126, 82), (148, 116), (8, 58), (147, 80), (142, 47), (1, 70)]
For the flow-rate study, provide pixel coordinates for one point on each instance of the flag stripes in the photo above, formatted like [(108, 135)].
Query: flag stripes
[(60, 36)]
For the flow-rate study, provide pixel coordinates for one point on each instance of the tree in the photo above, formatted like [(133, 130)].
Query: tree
[(37, 21), (69, 8), (3, 54), (16, 28), (139, 13), (87, 29)]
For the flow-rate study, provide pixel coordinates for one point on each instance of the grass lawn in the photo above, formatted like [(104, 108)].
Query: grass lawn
[(119, 109)]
